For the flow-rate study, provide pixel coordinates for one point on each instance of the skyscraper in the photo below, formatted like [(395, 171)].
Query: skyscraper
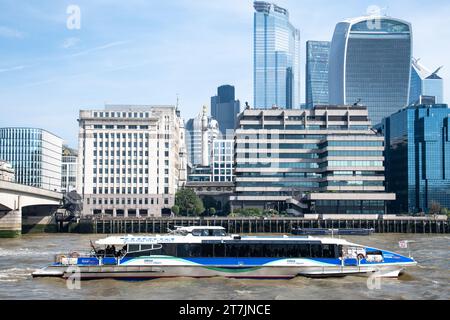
[(425, 83), (370, 63), (276, 58), (224, 108), (317, 57), (418, 157), (35, 155)]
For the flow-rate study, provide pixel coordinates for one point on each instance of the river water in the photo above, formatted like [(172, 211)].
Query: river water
[(429, 280)]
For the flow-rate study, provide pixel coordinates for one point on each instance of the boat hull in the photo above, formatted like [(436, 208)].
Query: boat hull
[(152, 272)]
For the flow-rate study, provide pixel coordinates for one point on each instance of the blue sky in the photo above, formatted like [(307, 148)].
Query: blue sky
[(147, 52)]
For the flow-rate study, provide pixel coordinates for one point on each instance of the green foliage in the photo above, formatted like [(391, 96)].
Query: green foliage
[(176, 210), (210, 202), (253, 212), (189, 203), (212, 211)]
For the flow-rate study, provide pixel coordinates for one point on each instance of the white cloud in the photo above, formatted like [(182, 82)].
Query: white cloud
[(16, 68), (103, 47), (70, 42), (10, 33)]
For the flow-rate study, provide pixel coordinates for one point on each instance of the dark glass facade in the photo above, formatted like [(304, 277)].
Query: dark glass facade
[(418, 157), (224, 108), (370, 64)]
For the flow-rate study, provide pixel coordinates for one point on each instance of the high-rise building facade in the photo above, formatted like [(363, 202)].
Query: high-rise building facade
[(35, 155), (322, 160), (425, 83), (370, 64), (200, 133), (69, 169), (222, 160), (317, 60), (276, 58), (129, 160), (418, 157), (224, 108)]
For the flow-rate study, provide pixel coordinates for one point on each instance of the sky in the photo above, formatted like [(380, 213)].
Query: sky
[(149, 52)]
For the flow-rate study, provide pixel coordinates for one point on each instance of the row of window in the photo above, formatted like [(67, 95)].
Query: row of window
[(120, 127), (243, 250), (135, 190), (123, 201)]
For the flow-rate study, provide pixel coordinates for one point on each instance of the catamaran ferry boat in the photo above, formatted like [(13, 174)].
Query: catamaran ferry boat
[(203, 252)]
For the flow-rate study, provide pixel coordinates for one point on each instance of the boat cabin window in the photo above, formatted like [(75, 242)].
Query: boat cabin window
[(244, 250), (136, 250), (208, 233)]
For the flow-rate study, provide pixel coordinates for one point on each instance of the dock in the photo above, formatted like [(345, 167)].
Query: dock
[(109, 225)]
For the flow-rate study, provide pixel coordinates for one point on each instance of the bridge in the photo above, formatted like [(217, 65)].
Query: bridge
[(15, 199)]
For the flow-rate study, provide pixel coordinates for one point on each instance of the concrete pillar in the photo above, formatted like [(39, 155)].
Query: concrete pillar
[(11, 224)]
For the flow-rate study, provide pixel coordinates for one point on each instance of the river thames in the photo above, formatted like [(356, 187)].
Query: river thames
[(429, 280)]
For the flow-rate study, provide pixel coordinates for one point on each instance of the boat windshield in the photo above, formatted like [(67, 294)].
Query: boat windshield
[(208, 233)]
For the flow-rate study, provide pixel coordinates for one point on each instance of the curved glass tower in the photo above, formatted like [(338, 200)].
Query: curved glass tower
[(276, 58), (370, 64)]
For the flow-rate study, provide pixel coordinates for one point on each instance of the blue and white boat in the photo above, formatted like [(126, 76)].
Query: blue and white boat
[(202, 252)]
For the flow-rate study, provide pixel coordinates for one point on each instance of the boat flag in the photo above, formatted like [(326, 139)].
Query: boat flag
[(403, 244)]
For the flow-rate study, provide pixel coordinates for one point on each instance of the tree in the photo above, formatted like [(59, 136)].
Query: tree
[(176, 210), (212, 211), (435, 208), (210, 202), (189, 203)]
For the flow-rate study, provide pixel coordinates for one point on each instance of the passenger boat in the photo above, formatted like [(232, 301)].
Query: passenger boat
[(203, 252)]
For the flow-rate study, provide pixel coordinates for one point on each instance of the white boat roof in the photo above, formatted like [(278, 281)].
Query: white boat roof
[(173, 238)]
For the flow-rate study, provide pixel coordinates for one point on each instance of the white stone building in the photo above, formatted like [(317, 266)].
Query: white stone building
[(129, 160)]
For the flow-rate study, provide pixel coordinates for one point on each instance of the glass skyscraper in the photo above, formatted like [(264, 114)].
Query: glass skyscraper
[(276, 58), (35, 155), (317, 57), (224, 108), (370, 64), (418, 157), (425, 83)]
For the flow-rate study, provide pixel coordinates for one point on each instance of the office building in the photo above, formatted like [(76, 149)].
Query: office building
[(69, 169), (129, 160), (317, 57), (276, 58), (370, 64), (323, 160), (425, 83), (225, 108), (418, 157), (6, 172), (222, 161), (34, 154)]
